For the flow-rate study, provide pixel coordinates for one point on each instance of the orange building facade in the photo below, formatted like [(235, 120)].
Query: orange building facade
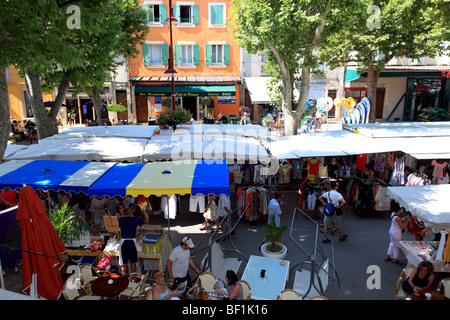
[(206, 58)]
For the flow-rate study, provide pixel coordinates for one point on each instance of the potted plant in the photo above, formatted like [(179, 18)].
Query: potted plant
[(172, 117), (273, 249), (69, 227)]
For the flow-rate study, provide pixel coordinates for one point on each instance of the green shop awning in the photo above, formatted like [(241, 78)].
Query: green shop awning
[(351, 75), (186, 91)]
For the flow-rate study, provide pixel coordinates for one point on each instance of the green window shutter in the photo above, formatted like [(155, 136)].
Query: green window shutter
[(208, 54), (145, 54), (176, 13), (226, 54), (145, 9), (165, 54), (177, 54), (162, 13), (195, 14), (217, 14), (196, 54)]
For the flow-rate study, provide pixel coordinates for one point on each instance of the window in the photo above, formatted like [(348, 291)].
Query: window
[(217, 54), (186, 13), (153, 13), (155, 53), (156, 12), (186, 55), (217, 15)]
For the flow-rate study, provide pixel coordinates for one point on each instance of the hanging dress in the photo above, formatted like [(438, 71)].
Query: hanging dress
[(398, 174)]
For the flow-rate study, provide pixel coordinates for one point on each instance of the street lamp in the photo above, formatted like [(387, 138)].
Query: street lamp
[(171, 70)]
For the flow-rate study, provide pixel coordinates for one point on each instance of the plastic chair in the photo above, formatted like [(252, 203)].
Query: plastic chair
[(207, 281), (404, 274), (444, 284), (289, 294), (135, 289), (246, 290), (318, 298)]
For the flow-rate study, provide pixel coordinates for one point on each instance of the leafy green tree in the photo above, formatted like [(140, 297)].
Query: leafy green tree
[(373, 33), (287, 31), (50, 51)]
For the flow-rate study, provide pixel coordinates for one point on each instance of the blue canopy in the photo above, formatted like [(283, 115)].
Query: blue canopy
[(55, 175)]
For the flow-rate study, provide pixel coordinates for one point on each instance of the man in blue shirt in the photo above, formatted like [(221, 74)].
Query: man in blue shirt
[(275, 207)]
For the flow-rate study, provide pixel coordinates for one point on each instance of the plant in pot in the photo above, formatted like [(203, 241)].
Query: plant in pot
[(172, 117), (68, 226), (273, 249)]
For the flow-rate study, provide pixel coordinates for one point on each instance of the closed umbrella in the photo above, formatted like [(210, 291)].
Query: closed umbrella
[(42, 248)]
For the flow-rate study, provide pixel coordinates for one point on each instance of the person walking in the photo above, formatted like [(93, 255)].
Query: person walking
[(275, 209), (179, 261), (338, 201), (395, 233)]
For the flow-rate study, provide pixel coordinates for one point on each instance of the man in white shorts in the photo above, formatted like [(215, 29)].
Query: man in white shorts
[(338, 201)]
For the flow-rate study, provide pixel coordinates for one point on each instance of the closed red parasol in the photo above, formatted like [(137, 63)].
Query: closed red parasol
[(42, 248)]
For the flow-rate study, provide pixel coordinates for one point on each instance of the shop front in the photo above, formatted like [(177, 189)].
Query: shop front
[(202, 100)]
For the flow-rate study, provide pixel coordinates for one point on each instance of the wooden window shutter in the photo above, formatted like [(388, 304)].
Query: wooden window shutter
[(145, 54)]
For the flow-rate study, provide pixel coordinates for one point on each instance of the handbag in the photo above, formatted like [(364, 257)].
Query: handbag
[(329, 208)]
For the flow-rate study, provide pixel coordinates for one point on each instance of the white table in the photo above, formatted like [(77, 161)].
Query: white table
[(274, 281), (415, 251)]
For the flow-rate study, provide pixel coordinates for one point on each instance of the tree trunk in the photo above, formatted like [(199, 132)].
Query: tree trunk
[(372, 83), (98, 104), (5, 124), (45, 123)]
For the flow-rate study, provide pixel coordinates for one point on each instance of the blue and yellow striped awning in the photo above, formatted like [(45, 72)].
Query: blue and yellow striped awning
[(163, 178)]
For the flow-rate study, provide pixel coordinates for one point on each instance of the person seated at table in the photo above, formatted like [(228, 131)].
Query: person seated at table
[(30, 126), (120, 210), (127, 250), (160, 290), (421, 278), (233, 287)]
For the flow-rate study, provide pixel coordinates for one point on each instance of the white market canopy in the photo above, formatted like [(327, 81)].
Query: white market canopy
[(420, 140), (205, 147), (84, 149), (430, 204)]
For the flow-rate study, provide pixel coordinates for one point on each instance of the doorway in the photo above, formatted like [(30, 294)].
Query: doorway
[(190, 104)]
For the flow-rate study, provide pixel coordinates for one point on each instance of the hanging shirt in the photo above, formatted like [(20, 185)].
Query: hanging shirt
[(361, 161), (379, 163), (438, 169), (314, 166)]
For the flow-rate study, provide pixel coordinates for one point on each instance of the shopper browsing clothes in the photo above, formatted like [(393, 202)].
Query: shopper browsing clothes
[(395, 233)]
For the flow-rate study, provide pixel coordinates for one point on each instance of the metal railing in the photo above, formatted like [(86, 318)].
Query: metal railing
[(312, 258)]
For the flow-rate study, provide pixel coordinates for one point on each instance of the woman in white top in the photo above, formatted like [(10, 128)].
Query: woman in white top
[(395, 233)]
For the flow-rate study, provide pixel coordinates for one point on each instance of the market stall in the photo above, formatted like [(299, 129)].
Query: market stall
[(429, 204)]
